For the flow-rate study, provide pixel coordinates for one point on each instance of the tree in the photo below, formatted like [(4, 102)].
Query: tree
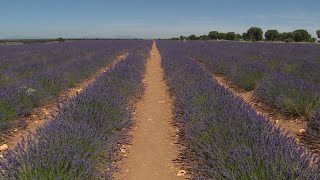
[(246, 37), (60, 40), (221, 35), (204, 37), (255, 33), (193, 37), (285, 36), (183, 37), (231, 36), (271, 35), (213, 35), (318, 33), (301, 35), (239, 36)]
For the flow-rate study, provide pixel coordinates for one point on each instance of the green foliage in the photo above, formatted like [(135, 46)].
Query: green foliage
[(301, 35), (7, 111), (291, 67), (251, 79), (60, 40), (271, 35), (213, 35), (255, 33), (312, 40), (289, 40), (222, 36), (299, 103), (285, 36), (183, 37), (239, 36), (204, 37), (231, 36), (50, 86), (273, 63), (246, 37), (193, 37)]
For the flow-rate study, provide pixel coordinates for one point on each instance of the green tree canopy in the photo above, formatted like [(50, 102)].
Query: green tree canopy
[(286, 36), (193, 37), (271, 35), (246, 37), (239, 36), (213, 35), (60, 40), (183, 37), (301, 35), (221, 35), (255, 33), (231, 36), (204, 37)]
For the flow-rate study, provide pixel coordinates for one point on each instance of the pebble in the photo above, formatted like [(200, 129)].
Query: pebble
[(4, 147), (181, 173), (1, 156), (277, 121), (302, 131), (122, 150)]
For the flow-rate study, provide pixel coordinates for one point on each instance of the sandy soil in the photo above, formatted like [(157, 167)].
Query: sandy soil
[(153, 147), (288, 123), (41, 115), (293, 125)]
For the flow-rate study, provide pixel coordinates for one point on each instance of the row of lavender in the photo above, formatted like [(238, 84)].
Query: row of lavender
[(226, 138), (80, 142), (284, 76), (33, 74)]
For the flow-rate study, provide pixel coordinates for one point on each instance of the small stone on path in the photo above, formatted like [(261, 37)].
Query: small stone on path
[(302, 131), (181, 173), (4, 147)]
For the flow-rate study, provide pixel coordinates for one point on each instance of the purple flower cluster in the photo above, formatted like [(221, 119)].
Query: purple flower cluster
[(314, 125), (79, 143), (290, 94), (32, 74), (285, 76), (226, 138)]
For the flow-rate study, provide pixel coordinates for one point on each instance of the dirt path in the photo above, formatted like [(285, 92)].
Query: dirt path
[(153, 147), (39, 115), (288, 123), (296, 126)]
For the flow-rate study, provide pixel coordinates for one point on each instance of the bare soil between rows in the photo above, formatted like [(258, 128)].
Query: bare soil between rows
[(43, 114), (153, 149), (289, 124)]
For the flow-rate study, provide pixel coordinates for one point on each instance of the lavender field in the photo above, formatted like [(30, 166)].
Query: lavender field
[(222, 134)]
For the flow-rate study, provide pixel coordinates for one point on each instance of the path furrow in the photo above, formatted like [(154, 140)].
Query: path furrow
[(40, 115), (153, 147)]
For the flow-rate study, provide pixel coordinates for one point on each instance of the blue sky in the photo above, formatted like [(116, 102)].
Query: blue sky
[(151, 19)]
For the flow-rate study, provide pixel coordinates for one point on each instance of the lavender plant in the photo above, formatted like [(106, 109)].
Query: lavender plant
[(290, 94), (34, 74), (79, 143), (226, 138)]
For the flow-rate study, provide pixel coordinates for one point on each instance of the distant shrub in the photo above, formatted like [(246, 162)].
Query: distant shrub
[(289, 40)]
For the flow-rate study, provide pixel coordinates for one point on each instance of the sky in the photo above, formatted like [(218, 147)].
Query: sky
[(151, 19)]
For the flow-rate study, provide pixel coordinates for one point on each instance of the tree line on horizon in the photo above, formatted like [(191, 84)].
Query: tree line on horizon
[(256, 34)]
